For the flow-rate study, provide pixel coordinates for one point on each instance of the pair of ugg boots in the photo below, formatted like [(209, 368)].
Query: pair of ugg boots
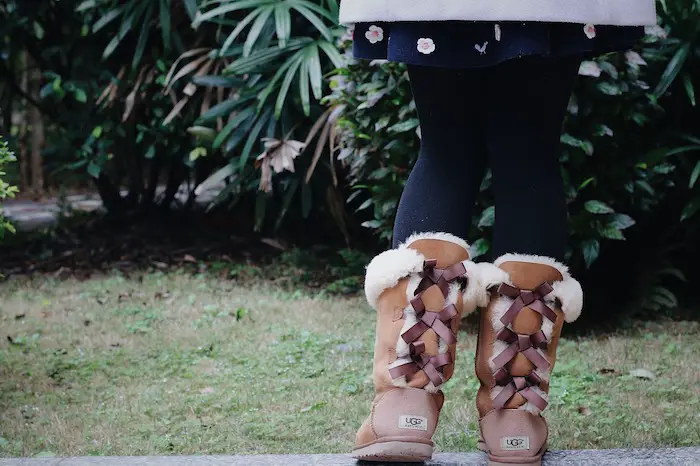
[(420, 291)]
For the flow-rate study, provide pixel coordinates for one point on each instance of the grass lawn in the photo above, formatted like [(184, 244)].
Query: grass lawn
[(182, 364)]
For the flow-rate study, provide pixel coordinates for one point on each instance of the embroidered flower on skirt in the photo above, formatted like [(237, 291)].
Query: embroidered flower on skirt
[(426, 45), (374, 34)]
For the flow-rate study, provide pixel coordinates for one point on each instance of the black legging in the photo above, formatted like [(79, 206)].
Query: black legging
[(507, 117)]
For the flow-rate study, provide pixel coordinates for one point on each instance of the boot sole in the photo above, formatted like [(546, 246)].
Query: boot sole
[(513, 461), (394, 452), (500, 463)]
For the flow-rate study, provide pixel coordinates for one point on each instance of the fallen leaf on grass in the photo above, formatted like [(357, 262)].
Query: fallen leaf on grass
[(160, 265), (162, 295), (642, 374), (45, 314), (313, 407), (207, 390), (101, 300), (584, 410), (189, 258)]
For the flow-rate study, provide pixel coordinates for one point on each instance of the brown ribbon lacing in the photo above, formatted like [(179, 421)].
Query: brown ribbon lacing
[(526, 345), (439, 322)]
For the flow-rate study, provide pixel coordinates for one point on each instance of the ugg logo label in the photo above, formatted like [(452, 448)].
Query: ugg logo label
[(413, 422), (515, 443)]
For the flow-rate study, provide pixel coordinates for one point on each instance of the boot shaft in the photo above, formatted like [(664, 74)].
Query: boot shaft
[(518, 338)]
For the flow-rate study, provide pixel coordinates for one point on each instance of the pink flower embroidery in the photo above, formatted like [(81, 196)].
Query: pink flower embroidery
[(426, 46), (375, 34), (589, 29)]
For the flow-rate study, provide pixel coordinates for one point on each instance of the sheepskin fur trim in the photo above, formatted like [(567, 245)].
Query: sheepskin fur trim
[(388, 268), (568, 291), (481, 277), (435, 235)]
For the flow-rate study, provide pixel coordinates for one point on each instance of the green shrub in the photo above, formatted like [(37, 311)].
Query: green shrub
[(6, 189)]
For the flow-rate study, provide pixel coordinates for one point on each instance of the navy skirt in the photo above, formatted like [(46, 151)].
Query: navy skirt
[(467, 44)]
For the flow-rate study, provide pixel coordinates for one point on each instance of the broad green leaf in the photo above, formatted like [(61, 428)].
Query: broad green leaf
[(694, 175), (222, 109), (283, 23), (314, 7), (610, 232), (237, 31), (332, 53), (479, 248), (253, 139), (94, 170), (86, 5), (218, 81), (288, 197), (304, 87), (111, 47), (80, 95), (315, 72), (191, 7), (272, 84), (143, 38), (249, 64), (286, 83), (230, 8), (622, 221), (315, 20), (232, 124), (107, 18), (674, 67), (609, 88), (598, 207), (371, 223), (488, 216), (689, 88), (164, 23), (404, 126), (645, 186), (691, 208), (591, 251), (256, 29)]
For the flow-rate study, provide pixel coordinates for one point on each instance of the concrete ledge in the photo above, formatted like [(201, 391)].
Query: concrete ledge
[(632, 457)]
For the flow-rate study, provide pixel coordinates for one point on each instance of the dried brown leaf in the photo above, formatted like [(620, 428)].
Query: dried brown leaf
[(188, 54), (317, 153), (187, 69)]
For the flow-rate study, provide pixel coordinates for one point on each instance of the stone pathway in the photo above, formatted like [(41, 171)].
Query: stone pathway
[(28, 215), (632, 457)]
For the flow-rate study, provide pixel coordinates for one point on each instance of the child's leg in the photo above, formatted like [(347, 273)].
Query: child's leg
[(527, 104), (442, 188)]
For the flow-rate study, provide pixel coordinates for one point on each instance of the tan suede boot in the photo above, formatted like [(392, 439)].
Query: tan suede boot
[(517, 349), (420, 291)]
